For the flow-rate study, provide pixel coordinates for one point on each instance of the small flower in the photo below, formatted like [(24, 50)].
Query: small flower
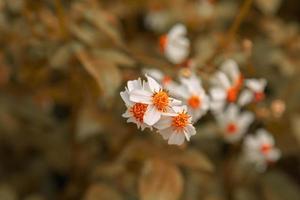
[(260, 149), (176, 126), (158, 100), (254, 91), (135, 111), (234, 123), (157, 20), (194, 96), (227, 84), (175, 45)]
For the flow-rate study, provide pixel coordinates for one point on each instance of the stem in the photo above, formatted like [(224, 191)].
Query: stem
[(61, 17), (231, 31)]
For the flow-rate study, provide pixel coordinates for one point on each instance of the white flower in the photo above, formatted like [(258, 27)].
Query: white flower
[(254, 92), (226, 85), (194, 96), (176, 127), (234, 123), (157, 20), (135, 111), (205, 9), (260, 149), (158, 101), (175, 45)]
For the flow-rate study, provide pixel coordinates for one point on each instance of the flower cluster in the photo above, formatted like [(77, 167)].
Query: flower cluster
[(173, 107), (149, 105)]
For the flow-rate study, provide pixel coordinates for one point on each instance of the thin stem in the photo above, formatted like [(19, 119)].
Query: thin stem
[(231, 31), (61, 17)]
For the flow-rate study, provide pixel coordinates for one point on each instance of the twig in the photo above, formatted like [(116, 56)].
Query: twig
[(231, 31)]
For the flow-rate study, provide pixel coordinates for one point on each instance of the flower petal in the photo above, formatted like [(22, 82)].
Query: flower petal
[(163, 123), (152, 115), (140, 96), (153, 85)]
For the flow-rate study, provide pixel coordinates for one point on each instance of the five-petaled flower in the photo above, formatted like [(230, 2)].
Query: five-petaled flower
[(227, 84), (234, 123), (175, 45), (260, 149), (176, 126), (135, 111), (194, 96), (156, 98)]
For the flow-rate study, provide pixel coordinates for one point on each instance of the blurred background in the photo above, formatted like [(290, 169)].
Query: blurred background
[(64, 62)]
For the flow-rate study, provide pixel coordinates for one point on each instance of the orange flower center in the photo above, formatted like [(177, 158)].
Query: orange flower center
[(138, 110), (231, 128), (232, 94), (194, 102), (180, 121), (166, 80), (163, 42), (265, 148), (161, 100), (259, 96)]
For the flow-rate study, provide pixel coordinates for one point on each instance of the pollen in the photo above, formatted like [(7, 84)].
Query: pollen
[(163, 42), (231, 128), (161, 100), (180, 121), (232, 94), (138, 111), (194, 102), (265, 148), (259, 96)]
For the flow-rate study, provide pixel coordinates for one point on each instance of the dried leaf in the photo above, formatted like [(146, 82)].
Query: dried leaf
[(101, 192), (192, 159), (104, 72), (160, 180), (116, 57)]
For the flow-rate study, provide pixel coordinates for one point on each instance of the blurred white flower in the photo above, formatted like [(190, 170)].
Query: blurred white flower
[(176, 127), (135, 111), (205, 9), (260, 149), (157, 20), (226, 85), (175, 45), (254, 91), (234, 123), (158, 100), (194, 96)]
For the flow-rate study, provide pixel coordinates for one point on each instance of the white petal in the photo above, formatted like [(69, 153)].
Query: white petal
[(152, 115), (232, 112), (190, 129), (245, 119), (154, 73), (163, 123), (135, 84), (230, 67), (125, 97), (265, 137), (179, 109), (126, 114), (175, 102), (218, 94), (274, 155), (153, 85), (177, 30), (257, 85), (176, 138), (166, 133), (246, 97), (140, 96), (224, 81)]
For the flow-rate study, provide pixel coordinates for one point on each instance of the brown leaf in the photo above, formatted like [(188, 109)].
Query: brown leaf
[(192, 159), (160, 180), (104, 72), (101, 192)]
